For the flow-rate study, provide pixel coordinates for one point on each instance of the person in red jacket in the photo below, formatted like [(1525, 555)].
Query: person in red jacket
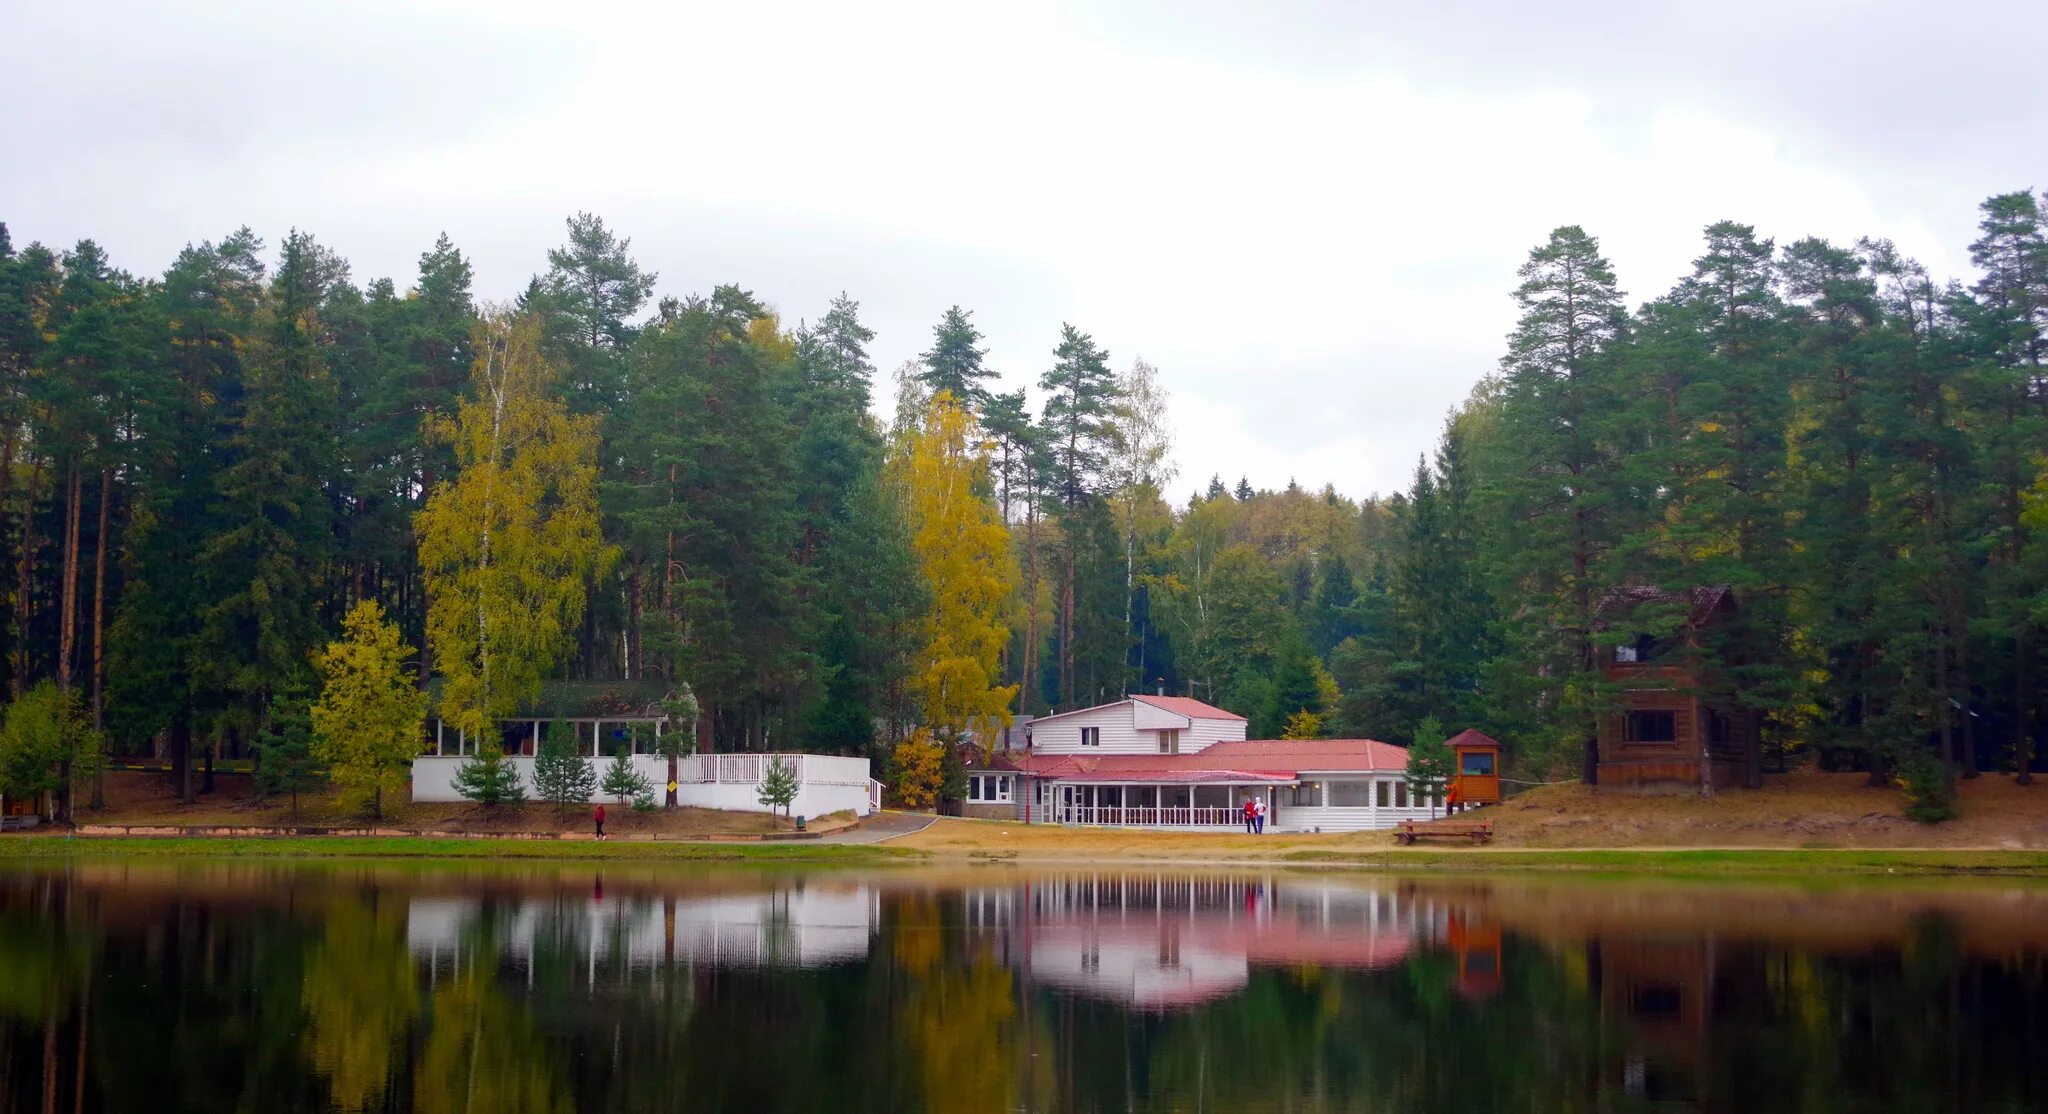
[(1251, 816), (599, 817)]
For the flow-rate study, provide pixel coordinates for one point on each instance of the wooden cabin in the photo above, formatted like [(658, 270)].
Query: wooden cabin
[(1665, 733), (1475, 770)]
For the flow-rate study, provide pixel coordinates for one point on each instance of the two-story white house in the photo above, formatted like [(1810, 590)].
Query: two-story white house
[(1176, 762)]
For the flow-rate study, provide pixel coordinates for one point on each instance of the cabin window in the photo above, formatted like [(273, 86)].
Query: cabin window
[(1091, 736), (1303, 795), (988, 789), (1649, 727), (1350, 794), (1643, 649), (1476, 765), (1384, 794), (1717, 727), (1400, 794), (1169, 741)]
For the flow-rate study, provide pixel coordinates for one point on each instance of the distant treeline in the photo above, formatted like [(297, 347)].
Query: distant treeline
[(204, 471)]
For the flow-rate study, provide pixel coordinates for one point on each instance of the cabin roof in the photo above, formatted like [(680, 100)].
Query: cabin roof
[(1700, 601), (1471, 737), (1253, 760)]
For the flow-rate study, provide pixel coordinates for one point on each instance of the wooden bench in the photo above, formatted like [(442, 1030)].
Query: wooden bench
[(1408, 831)]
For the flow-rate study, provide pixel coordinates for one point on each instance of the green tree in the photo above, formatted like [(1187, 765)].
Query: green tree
[(284, 746), (1555, 477), (954, 361), (621, 780), (779, 784), (489, 778), (370, 720), (1429, 763), (1079, 429), (680, 738), (561, 775), (46, 743)]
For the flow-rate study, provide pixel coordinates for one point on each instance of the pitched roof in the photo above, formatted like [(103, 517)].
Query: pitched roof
[(1699, 601), (1472, 737), (1186, 706)]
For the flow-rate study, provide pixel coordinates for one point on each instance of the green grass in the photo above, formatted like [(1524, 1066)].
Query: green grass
[(1832, 861), (414, 847)]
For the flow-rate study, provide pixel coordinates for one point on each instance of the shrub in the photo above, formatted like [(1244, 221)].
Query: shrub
[(1929, 786)]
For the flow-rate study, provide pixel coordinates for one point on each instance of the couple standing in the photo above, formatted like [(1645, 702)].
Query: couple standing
[(1254, 816)]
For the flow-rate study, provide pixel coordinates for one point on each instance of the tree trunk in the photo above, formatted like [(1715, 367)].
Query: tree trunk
[(67, 621), (25, 579), (206, 785), (2022, 705), (181, 755), (99, 631)]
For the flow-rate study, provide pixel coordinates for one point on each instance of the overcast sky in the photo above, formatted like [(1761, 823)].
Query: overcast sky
[(1307, 215)]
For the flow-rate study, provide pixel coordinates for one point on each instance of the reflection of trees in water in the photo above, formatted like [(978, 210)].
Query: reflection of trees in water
[(361, 994), (205, 1002)]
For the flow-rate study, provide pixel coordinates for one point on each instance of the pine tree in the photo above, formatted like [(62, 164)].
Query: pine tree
[(561, 775), (284, 746), (489, 778), (1080, 400), (1556, 478), (622, 780), (1429, 764), (779, 784), (954, 362)]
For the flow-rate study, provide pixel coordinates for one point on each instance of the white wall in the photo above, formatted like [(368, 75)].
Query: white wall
[(829, 786), (1130, 727)]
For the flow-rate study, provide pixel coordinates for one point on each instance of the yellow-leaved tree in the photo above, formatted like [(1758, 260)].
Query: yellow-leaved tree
[(370, 719), (509, 545), (964, 552)]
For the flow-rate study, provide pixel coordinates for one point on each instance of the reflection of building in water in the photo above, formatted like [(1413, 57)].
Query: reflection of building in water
[(1160, 942), (1659, 992), (791, 927)]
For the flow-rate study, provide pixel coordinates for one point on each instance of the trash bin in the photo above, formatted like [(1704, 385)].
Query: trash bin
[(799, 823)]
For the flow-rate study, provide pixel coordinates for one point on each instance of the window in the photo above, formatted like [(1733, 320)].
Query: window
[(1717, 727), (1400, 794), (1382, 793), (1643, 649), (1169, 741), (1304, 795), (1091, 736), (1478, 765), (1350, 794), (988, 789), (1649, 727)]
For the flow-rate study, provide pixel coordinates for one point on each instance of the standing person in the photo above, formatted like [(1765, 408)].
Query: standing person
[(1259, 815), (1250, 816), (598, 816)]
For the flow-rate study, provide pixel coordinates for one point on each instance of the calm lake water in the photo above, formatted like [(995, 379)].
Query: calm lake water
[(250, 987)]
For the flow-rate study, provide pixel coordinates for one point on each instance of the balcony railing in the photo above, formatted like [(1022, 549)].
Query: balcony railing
[(1170, 816)]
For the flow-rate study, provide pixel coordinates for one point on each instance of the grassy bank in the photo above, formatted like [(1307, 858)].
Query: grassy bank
[(53, 847), (1072, 852)]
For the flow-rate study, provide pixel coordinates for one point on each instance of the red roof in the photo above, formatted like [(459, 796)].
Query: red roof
[(1186, 706), (1255, 760), (1472, 737), (1308, 754)]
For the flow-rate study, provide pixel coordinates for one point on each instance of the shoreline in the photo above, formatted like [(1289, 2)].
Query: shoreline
[(26, 848)]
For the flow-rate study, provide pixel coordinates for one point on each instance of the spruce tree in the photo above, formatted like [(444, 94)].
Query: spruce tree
[(284, 745), (622, 780), (561, 775), (489, 778), (779, 785)]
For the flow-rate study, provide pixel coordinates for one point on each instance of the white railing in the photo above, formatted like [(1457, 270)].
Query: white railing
[(875, 789), (1172, 816)]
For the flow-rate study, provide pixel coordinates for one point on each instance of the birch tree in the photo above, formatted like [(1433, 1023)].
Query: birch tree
[(508, 546)]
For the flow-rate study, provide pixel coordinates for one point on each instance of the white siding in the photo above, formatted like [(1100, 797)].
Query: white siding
[(1148, 718), (1205, 733), (1119, 734)]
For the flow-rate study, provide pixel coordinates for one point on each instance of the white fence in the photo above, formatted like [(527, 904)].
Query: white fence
[(826, 783)]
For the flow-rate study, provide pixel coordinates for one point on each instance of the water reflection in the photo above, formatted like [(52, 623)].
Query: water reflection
[(330, 988)]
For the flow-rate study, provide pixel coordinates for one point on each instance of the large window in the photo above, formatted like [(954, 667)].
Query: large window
[(1169, 741), (1649, 727), (988, 789), (1642, 649), (1478, 765), (1350, 794), (1091, 736), (1304, 795)]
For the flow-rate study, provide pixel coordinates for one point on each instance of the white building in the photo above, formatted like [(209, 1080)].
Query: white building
[(1176, 762)]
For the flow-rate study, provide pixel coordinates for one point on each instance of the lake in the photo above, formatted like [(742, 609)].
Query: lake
[(502, 988)]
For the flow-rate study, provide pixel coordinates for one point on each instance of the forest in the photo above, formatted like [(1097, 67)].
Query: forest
[(208, 472)]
